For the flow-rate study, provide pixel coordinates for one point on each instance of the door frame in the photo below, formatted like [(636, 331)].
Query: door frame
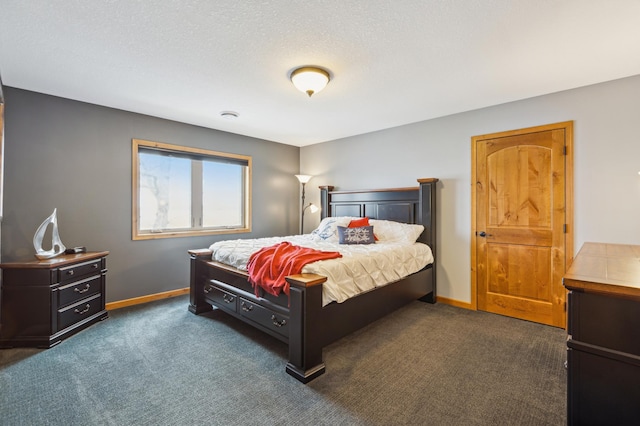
[(568, 191)]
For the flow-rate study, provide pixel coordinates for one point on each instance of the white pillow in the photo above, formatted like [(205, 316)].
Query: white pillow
[(387, 230), (328, 228)]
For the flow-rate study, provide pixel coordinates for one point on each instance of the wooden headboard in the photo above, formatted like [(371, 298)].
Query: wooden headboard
[(406, 205)]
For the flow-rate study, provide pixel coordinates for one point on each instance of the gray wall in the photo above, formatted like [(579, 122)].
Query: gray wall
[(606, 160), (76, 157)]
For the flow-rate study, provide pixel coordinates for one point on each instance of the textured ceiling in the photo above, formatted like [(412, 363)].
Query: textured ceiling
[(392, 62)]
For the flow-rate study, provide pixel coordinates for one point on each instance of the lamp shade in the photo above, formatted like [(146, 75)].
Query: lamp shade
[(304, 178), (309, 80)]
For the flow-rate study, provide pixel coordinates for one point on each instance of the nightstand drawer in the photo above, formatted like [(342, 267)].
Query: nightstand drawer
[(79, 270), (81, 310), (75, 291)]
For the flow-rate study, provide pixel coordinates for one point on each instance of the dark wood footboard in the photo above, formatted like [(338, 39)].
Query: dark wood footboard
[(226, 288)]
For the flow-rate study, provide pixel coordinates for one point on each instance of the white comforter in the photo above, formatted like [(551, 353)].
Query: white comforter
[(361, 268)]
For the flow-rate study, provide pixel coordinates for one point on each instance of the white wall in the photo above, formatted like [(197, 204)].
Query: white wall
[(606, 161)]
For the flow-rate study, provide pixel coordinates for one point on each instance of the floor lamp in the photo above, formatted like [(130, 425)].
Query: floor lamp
[(312, 208)]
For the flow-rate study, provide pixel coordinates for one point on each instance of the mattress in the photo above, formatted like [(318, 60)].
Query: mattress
[(362, 267)]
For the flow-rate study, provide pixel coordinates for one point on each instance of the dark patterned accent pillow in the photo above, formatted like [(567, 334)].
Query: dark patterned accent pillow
[(359, 235)]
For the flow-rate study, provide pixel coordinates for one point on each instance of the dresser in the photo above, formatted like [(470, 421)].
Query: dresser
[(604, 335), (42, 302)]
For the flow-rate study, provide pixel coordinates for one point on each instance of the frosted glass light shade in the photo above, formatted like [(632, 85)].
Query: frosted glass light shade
[(309, 80), (304, 178)]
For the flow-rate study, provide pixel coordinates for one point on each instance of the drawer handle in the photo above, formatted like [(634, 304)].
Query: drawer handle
[(246, 307), (84, 311), (276, 322), (94, 266), (84, 290), (227, 299), (207, 289), (70, 272)]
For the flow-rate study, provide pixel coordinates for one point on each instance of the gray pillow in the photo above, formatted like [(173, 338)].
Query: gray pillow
[(359, 235)]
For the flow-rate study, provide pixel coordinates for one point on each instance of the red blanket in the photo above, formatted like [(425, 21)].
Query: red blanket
[(268, 266)]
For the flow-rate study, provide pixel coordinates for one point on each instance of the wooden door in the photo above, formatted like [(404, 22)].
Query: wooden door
[(522, 222)]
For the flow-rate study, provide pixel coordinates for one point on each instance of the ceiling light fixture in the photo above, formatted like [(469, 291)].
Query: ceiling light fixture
[(309, 80)]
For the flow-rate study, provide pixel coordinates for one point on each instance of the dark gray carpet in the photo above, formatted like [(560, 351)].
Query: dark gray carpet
[(158, 364)]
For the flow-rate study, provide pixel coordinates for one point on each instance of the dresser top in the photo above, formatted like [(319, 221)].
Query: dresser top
[(606, 268), (54, 262)]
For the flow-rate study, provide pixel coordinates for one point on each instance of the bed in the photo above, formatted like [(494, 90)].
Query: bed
[(302, 319)]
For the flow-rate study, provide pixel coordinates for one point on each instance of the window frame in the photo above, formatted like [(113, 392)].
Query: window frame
[(136, 234)]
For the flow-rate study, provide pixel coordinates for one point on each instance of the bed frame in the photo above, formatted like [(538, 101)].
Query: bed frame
[(300, 320)]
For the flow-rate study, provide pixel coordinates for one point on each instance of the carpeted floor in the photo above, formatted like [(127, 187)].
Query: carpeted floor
[(158, 364)]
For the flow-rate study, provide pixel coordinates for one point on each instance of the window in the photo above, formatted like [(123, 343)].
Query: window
[(180, 191)]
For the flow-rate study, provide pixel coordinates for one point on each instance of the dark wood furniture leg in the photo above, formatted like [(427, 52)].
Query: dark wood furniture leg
[(197, 305), (305, 349)]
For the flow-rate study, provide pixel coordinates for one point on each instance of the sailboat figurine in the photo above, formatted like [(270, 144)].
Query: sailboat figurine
[(56, 244)]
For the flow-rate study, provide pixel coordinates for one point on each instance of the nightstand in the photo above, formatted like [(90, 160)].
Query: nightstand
[(42, 302)]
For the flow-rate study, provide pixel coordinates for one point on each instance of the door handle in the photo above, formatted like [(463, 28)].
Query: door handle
[(483, 234)]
